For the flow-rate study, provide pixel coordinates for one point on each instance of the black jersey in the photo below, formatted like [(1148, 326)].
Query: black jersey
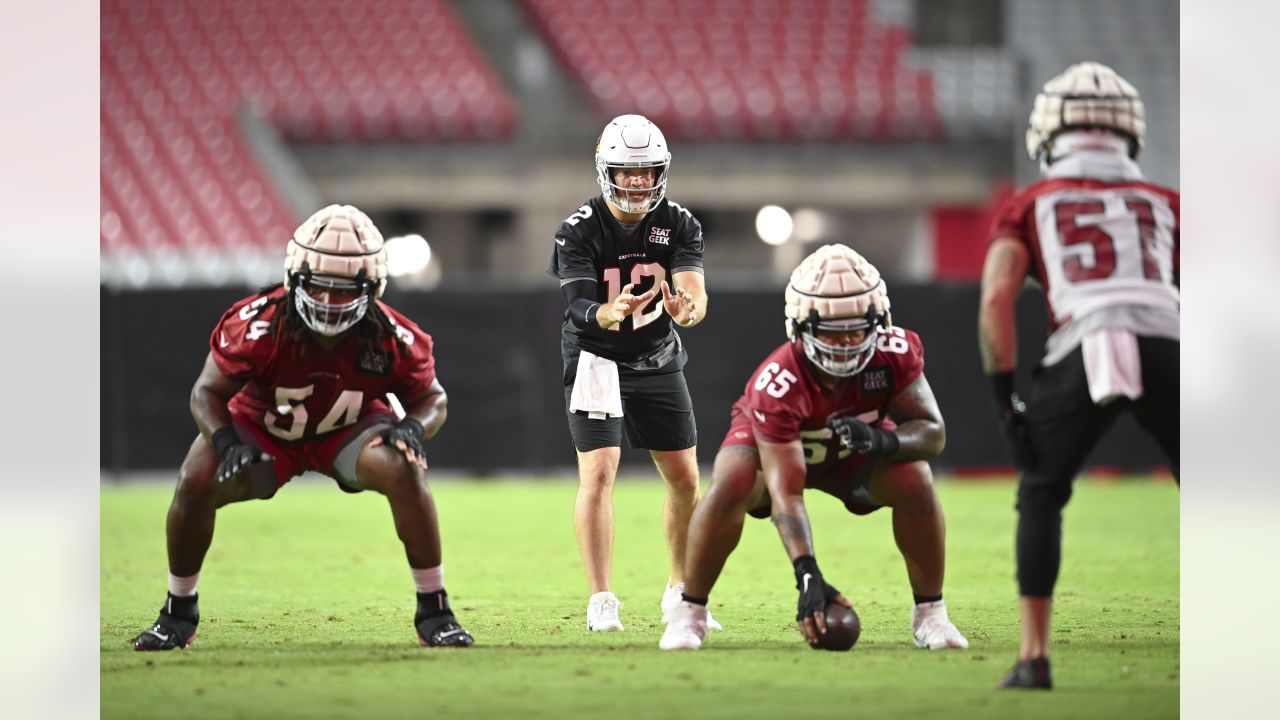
[(592, 244)]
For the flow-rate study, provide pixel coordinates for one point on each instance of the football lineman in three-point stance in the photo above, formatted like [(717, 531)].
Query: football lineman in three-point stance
[(843, 407)]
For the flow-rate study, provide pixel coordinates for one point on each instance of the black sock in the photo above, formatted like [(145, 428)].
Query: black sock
[(433, 604), (183, 608), (921, 599), (693, 600)]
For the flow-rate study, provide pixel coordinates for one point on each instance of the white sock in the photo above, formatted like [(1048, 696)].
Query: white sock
[(183, 586), (428, 580)]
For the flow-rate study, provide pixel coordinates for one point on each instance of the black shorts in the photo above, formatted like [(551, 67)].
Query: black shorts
[(657, 411), (1065, 424)]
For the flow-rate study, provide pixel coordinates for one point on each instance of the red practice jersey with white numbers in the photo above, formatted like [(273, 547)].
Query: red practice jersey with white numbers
[(784, 400), (298, 390), (1096, 244)]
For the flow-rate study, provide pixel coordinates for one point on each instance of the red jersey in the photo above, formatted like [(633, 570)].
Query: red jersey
[(1097, 244), (784, 400), (295, 389)]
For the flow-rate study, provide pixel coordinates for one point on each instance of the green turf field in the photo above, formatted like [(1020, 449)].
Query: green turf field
[(307, 612)]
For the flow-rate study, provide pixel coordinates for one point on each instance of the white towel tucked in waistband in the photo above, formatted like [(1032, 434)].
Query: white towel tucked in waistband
[(1112, 365), (595, 388)]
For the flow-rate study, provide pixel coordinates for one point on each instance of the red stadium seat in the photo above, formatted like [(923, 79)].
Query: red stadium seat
[(774, 70), (177, 174)]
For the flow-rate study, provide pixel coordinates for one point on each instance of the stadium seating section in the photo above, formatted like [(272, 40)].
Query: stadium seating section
[(177, 174), (775, 70)]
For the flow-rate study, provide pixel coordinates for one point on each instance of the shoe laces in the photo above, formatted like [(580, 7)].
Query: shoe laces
[(609, 606)]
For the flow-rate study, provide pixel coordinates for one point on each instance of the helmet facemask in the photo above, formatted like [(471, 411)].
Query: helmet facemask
[(331, 305), (335, 263), (632, 142), (624, 197), (838, 359), (835, 290)]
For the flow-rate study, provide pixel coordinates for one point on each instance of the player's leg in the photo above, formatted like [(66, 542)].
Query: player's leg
[(1063, 424), (659, 418), (714, 531), (598, 442), (593, 513), (920, 531), (679, 472), (385, 470), (1158, 410), (919, 527), (716, 525), (189, 533)]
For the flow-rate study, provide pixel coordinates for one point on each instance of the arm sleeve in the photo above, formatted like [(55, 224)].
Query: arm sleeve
[(581, 296)]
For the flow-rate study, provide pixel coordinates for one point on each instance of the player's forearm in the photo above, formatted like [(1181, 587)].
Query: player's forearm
[(209, 411), (431, 412), (920, 440), (1003, 274), (792, 520), (997, 334), (785, 483)]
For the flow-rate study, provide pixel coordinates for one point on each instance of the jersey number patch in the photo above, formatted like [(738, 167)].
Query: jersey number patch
[(345, 411), (613, 280), (774, 380), (1079, 223)]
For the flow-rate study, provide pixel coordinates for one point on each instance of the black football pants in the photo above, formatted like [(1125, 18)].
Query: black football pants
[(1064, 426)]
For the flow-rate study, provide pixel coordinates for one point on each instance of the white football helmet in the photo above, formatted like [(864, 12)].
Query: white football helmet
[(836, 289), (335, 263), (1086, 96), (631, 141)]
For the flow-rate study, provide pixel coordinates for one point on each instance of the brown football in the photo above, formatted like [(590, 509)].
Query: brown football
[(843, 628)]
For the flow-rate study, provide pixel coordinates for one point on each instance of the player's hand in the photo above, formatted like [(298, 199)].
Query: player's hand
[(680, 305), (622, 306), (815, 593), (861, 438), (1013, 419), (405, 436), (1013, 422), (236, 456)]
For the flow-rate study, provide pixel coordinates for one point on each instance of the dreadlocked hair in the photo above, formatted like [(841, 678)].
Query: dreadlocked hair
[(372, 328)]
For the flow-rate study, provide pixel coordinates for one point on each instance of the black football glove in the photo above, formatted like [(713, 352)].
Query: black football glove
[(815, 593), (1013, 420), (861, 438), (409, 433), (236, 456)]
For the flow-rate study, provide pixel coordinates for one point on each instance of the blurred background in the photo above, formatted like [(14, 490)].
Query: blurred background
[(895, 126)]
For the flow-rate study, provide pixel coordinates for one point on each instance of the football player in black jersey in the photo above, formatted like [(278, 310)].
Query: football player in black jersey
[(629, 263)]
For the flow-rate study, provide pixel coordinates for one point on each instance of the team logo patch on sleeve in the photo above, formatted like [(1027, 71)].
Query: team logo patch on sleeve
[(374, 362), (660, 236), (877, 382)]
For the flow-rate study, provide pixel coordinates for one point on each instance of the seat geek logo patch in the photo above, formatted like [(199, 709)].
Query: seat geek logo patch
[(876, 382), (660, 236)]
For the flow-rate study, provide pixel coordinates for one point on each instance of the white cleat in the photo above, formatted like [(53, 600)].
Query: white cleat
[(602, 613), (687, 628), (672, 597), (932, 629)]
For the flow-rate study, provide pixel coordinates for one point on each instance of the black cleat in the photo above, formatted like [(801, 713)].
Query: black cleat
[(175, 629), (1028, 674), (443, 631), (168, 633)]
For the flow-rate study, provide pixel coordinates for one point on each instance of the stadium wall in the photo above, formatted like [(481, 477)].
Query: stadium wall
[(506, 400)]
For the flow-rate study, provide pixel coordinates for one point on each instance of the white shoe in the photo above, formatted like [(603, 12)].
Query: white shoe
[(672, 597), (687, 628), (602, 612), (932, 629)]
